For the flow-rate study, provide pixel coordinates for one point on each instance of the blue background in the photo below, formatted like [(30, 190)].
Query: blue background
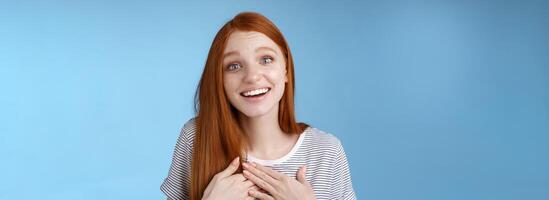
[(431, 99)]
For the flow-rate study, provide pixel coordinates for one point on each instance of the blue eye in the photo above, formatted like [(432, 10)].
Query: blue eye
[(233, 67), (266, 60)]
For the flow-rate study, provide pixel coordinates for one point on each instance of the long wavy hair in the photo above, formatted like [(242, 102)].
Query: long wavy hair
[(219, 137)]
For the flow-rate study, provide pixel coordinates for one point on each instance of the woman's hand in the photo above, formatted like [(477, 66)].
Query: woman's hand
[(278, 185), (227, 185)]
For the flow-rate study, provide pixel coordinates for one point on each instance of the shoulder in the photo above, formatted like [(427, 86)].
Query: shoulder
[(186, 137), (176, 186), (323, 137), (322, 141), (188, 130)]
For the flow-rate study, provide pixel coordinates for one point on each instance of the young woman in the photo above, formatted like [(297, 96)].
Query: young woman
[(245, 142)]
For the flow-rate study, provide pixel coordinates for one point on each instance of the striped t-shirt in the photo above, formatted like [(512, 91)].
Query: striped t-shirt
[(327, 168)]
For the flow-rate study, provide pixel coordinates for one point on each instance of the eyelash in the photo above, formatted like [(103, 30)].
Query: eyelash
[(267, 57), (231, 67)]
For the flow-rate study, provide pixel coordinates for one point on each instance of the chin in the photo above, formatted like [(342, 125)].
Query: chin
[(251, 113)]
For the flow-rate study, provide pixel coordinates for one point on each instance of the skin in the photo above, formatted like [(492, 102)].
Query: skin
[(277, 185), (228, 185), (252, 61)]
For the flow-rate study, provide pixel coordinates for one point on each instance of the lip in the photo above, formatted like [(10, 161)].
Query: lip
[(257, 98), (254, 88)]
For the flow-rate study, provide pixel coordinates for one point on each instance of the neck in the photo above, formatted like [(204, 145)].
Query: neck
[(267, 140)]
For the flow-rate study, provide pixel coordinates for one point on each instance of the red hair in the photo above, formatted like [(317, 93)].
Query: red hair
[(219, 138)]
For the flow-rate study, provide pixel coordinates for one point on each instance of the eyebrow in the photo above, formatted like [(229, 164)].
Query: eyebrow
[(256, 50)]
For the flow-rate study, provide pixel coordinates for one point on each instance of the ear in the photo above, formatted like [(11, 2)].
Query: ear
[(286, 75)]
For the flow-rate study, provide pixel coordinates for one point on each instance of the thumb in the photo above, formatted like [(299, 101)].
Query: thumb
[(231, 169), (301, 175)]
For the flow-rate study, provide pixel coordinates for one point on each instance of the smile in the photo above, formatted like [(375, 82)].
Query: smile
[(255, 92)]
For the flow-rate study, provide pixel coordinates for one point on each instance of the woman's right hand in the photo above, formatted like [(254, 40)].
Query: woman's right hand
[(227, 185)]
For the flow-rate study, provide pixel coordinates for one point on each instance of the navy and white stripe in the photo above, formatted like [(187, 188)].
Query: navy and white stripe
[(327, 167)]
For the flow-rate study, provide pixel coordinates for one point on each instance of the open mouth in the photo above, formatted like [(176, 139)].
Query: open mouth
[(255, 92)]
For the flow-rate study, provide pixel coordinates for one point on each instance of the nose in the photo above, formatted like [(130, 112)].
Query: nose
[(253, 74)]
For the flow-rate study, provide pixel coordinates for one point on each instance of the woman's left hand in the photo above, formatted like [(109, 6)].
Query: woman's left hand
[(278, 185)]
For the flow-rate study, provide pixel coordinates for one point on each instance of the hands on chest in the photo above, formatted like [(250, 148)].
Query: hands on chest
[(259, 182)]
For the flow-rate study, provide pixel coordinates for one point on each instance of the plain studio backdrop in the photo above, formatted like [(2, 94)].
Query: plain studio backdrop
[(431, 99)]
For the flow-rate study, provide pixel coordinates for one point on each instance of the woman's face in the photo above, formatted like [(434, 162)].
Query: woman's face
[(254, 73)]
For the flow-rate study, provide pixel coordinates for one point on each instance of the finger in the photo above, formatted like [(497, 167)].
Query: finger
[(238, 177), (260, 195), (230, 169), (259, 173), (248, 184), (254, 187), (262, 190), (258, 181), (276, 175), (301, 175)]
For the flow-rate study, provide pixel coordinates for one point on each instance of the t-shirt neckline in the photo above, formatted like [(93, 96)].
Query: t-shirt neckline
[(282, 159)]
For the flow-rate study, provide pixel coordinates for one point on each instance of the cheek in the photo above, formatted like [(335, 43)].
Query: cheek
[(230, 83), (278, 75)]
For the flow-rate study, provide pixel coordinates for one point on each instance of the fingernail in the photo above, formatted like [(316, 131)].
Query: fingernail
[(253, 164), (235, 161), (246, 172), (245, 165)]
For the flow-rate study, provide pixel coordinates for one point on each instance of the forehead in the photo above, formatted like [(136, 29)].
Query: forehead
[(240, 41)]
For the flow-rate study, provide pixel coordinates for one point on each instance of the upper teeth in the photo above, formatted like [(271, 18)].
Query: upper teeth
[(255, 92)]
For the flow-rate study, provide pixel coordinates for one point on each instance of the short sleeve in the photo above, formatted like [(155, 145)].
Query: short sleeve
[(342, 184), (176, 184)]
